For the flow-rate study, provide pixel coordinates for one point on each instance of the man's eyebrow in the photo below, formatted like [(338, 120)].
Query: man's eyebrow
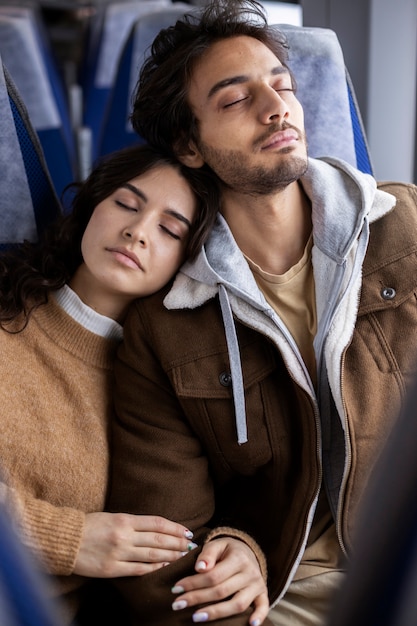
[(138, 192), (243, 78), (235, 80)]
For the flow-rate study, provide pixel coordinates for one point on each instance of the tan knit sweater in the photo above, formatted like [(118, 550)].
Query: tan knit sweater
[(55, 405)]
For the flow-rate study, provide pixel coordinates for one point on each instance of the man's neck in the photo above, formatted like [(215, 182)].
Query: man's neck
[(271, 230)]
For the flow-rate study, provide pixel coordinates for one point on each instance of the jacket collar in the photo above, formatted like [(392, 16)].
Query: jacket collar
[(342, 199)]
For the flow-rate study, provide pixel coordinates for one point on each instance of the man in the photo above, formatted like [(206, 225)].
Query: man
[(256, 392)]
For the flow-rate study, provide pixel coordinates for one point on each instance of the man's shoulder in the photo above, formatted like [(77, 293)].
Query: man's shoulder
[(394, 235), (151, 312), (152, 301), (404, 192), (405, 208)]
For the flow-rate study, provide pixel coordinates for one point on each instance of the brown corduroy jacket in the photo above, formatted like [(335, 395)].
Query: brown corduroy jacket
[(175, 450)]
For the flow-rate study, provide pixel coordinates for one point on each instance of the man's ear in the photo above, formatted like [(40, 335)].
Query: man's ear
[(189, 155)]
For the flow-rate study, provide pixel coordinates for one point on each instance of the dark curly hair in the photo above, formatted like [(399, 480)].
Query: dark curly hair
[(31, 270), (161, 113)]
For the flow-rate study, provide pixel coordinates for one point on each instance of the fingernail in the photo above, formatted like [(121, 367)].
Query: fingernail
[(200, 617), (179, 604), (177, 589), (189, 534), (255, 622), (191, 546), (183, 553), (201, 565)]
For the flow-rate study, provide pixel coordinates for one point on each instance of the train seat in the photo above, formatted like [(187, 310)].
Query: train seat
[(28, 199), (31, 65)]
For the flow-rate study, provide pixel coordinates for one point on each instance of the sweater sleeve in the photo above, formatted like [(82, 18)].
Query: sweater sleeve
[(225, 531), (51, 533)]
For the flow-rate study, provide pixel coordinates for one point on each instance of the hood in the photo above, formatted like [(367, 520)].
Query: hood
[(344, 202), (342, 197)]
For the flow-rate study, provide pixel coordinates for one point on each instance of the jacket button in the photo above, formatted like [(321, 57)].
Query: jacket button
[(388, 293), (225, 379)]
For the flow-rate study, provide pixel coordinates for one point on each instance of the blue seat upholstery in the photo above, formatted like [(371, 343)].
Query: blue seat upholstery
[(23, 599), (28, 59), (332, 118), (117, 131), (363, 157), (28, 200), (108, 31)]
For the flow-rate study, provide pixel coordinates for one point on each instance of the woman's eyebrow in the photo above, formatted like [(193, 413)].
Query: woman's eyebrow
[(178, 216), (138, 192)]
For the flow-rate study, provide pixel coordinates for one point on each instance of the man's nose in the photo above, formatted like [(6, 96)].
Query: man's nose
[(272, 106)]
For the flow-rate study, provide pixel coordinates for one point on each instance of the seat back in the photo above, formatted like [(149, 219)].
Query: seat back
[(117, 130), (107, 34), (28, 200), (23, 594), (26, 56), (332, 118)]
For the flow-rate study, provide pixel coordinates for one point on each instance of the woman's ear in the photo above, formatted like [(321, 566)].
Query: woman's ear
[(189, 155)]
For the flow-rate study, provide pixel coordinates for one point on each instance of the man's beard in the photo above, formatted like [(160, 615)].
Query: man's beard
[(237, 173)]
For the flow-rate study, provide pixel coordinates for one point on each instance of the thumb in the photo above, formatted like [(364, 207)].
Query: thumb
[(209, 556)]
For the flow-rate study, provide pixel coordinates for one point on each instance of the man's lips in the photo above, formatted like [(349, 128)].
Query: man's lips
[(127, 257), (279, 138)]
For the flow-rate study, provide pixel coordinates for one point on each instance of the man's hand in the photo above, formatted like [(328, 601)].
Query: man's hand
[(228, 581)]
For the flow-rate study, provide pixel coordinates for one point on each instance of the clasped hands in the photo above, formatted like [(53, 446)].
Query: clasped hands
[(227, 581)]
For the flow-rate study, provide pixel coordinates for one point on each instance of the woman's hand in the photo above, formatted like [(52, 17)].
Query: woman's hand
[(119, 544), (229, 577)]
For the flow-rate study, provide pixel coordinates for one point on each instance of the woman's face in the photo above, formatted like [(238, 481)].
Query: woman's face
[(135, 241)]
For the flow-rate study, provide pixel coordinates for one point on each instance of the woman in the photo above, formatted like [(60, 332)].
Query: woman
[(134, 221), (62, 302)]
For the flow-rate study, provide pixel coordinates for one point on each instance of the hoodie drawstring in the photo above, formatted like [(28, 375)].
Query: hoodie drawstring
[(238, 389)]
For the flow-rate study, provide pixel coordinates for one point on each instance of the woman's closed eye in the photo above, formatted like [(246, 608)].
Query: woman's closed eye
[(128, 207), (169, 232)]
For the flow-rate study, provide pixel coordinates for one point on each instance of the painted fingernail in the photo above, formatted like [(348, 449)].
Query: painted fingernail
[(200, 617), (179, 604), (191, 546), (189, 534), (201, 566), (177, 589), (255, 622)]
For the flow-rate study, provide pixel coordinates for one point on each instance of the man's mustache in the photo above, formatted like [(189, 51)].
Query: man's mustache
[(275, 128)]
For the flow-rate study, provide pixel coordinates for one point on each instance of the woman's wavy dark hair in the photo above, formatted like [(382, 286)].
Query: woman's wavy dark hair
[(30, 271), (161, 113)]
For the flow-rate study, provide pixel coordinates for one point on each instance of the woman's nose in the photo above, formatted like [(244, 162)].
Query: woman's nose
[(135, 233)]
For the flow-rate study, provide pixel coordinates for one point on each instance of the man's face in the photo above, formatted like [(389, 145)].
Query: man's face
[(251, 125)]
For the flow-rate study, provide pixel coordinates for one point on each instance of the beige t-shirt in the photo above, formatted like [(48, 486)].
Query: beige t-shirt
[(292, 296)]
